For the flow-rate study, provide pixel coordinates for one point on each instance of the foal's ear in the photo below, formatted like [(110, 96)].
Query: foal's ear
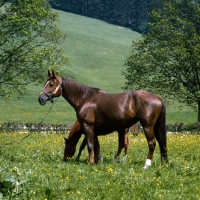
[(49, 74), (53, 74)]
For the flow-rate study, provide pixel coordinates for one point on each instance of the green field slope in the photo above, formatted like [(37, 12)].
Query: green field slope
[(97, 52)]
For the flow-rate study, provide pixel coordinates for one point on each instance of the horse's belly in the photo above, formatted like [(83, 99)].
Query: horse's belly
[(115, 121)]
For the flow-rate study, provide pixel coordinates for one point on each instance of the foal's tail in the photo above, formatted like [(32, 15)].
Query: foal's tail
[(160, 133)]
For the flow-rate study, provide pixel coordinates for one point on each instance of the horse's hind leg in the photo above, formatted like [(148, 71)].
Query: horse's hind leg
[(161, 139), (151, 144)]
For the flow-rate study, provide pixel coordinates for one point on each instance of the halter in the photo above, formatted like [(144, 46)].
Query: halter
[(49, 95)]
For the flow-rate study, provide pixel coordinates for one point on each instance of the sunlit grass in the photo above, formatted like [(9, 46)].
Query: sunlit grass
[(36, 164)]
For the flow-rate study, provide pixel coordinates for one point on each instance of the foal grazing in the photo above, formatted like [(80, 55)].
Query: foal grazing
[(75, 134), (96, 110)]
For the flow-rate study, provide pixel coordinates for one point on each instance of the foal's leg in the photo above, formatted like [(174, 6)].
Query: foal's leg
[(97, 153), (151, 143), (126, 143), (83, 144), (123, 142)]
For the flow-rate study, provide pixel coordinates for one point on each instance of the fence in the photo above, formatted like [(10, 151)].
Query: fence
[(28, 127), (64, 128)]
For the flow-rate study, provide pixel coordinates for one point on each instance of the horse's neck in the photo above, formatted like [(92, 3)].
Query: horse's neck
[(74, 92)]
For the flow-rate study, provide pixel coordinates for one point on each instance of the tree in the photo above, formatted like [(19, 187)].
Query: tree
[(29, 42), (166, 60)]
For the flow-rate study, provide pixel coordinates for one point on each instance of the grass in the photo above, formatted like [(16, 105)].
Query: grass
[(97, 52), (35, 170)]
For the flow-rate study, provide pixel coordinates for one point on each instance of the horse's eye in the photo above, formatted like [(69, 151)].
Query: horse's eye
[(51, 84)]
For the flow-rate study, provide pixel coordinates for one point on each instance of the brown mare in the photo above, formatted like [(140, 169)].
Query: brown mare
[(75, 133), (112, 111)]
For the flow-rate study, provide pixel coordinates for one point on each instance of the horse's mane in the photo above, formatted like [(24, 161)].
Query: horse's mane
[(98, 90), (79, 91)]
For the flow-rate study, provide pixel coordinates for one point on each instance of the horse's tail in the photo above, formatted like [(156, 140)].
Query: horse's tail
[(160, 133)]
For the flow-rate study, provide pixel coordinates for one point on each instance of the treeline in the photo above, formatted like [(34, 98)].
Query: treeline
[(128, 13)]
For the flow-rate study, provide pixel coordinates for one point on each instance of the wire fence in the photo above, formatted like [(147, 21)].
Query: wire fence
[(65, 128), (29, 127)]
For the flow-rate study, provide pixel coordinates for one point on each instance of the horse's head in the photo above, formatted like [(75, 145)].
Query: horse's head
[(51, 89), (69, 150)]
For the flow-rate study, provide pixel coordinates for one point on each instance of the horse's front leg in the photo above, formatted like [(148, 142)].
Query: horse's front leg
[(151, 144), (97, 154), (89, 131)]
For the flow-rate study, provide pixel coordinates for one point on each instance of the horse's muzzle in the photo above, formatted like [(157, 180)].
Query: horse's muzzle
[(42, 100)]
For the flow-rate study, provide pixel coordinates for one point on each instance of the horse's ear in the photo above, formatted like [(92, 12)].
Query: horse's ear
[(49, 74), (53, 74)]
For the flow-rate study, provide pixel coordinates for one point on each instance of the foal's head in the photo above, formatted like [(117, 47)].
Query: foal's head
[(69, 150), (51, 89)]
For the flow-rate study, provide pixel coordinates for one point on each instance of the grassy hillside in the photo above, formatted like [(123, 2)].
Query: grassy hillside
[(97, 51)]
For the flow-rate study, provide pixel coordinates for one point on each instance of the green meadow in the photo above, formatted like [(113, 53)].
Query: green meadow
[(97, 52), (34, 170)]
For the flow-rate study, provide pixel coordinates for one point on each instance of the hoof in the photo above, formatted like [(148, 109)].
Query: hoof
[(77, 159), (101, 159), (124, 159), (66, 159)]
